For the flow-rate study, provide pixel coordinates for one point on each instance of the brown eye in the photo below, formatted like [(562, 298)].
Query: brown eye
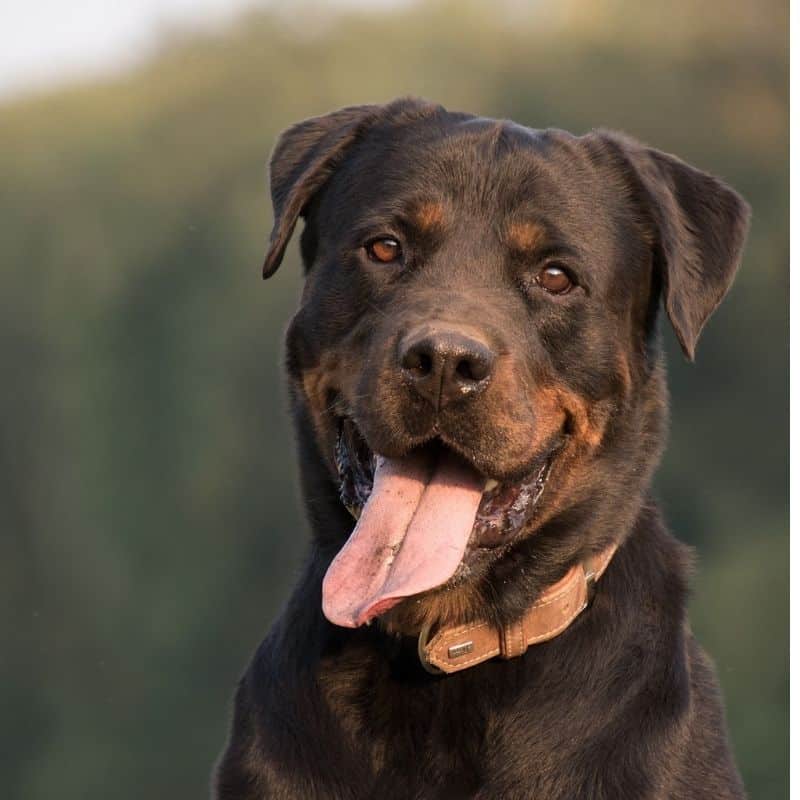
[(384, 250), (555, 280)]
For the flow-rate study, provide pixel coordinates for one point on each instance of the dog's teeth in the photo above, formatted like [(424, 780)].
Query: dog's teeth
[(491, 483)]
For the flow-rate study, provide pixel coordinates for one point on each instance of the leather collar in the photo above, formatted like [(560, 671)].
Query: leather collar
[(455, 648)]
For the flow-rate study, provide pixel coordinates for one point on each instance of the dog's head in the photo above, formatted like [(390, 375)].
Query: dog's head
[(475, 362)]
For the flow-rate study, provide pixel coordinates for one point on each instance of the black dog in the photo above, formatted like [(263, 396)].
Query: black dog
[(476, 375)]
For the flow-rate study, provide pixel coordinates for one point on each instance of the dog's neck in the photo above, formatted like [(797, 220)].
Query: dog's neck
[(455, 648)]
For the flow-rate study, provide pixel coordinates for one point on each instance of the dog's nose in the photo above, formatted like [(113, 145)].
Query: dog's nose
[(445, 365)]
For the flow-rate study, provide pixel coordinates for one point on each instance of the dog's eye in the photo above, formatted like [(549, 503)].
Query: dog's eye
[(554, 279), (384, 250)]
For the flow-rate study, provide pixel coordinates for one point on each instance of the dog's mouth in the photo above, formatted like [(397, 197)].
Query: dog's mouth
[(503, 510), (421, 519)]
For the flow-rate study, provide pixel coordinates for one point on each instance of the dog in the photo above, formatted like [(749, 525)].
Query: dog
[(477, 377)]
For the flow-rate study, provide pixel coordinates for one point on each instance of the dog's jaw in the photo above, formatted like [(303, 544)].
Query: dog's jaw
[(505, 509), (423, 522)]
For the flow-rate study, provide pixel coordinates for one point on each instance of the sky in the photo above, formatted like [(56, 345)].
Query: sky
[(51, 42)]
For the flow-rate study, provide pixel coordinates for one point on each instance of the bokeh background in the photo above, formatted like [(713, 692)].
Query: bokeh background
[(149, 523)]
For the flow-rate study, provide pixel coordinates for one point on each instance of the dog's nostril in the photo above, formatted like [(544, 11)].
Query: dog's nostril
[(472, 369), (418, 361), (464, 369)]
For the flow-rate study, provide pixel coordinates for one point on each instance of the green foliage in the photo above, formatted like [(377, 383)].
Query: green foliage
[(150, 523)]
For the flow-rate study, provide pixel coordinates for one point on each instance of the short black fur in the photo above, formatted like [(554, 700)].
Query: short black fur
[(623, 705)]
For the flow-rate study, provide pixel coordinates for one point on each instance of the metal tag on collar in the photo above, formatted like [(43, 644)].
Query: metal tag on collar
[(460, 649)]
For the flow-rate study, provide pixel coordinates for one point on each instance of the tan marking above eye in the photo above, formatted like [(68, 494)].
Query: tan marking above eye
[(554, 280), (525, 235), (429, 215), (385, 250)]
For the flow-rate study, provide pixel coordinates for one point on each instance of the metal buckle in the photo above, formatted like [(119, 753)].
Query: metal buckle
[(422, 643)]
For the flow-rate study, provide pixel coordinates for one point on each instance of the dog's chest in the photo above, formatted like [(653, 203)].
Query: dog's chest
[(449, 738)]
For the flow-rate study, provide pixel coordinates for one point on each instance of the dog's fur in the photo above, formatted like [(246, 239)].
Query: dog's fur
[(623, 705)]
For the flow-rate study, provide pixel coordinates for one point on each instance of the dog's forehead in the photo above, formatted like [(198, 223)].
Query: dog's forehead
[(457, 166)]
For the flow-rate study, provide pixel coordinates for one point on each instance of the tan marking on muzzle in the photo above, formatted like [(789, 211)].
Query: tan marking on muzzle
[(317, 384), (588, 419)]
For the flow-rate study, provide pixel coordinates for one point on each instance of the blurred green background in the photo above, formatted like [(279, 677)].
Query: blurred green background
[(150, 523)]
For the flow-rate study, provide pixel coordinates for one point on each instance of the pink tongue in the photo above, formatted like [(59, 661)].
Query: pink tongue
[(411, 537)]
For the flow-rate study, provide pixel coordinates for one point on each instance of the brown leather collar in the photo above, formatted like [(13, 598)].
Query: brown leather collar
[(453, 649)]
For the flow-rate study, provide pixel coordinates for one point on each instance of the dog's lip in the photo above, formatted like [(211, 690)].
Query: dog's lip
[(434, 439), (531, 475), (439, 438)]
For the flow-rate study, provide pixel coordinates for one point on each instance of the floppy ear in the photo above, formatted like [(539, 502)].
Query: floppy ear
[(303, 159), (700, 227), (308, 153)]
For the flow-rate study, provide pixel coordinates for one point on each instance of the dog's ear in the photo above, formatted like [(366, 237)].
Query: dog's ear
[(308, 153), (700, 225), (304, 157)]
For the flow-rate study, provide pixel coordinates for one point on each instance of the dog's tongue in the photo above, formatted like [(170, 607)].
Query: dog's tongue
[(411, 536)]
